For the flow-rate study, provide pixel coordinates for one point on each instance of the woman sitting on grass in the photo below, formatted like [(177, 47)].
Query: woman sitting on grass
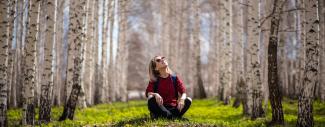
[(163, 91)]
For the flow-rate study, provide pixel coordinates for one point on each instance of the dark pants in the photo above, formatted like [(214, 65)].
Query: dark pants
[(167, 111)]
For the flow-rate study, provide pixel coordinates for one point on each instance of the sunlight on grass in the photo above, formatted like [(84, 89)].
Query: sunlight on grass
[(207, 112)]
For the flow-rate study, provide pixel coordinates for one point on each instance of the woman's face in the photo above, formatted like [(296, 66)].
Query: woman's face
[(161, 62)]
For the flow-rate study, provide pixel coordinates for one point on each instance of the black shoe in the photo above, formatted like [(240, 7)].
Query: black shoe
[(153, 116)]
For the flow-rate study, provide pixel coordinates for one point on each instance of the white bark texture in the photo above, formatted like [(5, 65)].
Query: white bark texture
[(4, 22), (29, 68), (311, 72), (47, 76)]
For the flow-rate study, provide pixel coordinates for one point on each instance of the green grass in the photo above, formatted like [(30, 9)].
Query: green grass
[(207, 112)]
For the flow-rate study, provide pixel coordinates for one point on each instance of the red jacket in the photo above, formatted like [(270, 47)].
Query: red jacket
[(166, 89)]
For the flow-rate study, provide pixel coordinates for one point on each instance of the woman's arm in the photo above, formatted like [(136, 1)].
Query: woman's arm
[(183, 97), (181, 102), (158, 98), (149, 89), (182, 90), (150, 94)]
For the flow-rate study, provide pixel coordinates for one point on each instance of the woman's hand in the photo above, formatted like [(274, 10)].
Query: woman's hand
[(181, 101), (159, 99), (180, 104)]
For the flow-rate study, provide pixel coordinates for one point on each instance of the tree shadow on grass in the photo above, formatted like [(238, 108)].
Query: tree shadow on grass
[(144, 119), (134, 121)]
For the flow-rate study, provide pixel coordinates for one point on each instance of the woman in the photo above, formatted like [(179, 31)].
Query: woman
[(163, 91)]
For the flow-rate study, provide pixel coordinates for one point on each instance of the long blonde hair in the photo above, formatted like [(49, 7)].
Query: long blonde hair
[(153, 73)]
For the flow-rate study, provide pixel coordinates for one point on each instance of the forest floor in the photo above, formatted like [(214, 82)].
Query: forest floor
[(206, 112)]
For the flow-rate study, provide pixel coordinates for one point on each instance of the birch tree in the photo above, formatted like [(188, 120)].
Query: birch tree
[(221, 49), (254, 74), (3, 61), (321, 9), (245, 86), (199, 91), (18, 65), (82, 99), (13, 94), (228, 51), (75, 37), (10, 30), (71, 53), (96, 51), (111, 87), (238, 32), (122, 52), (311, 72), (59, 55), (88, 62), (47, 78), (29, 69), (301, 36), (273, 81), (104, 51)]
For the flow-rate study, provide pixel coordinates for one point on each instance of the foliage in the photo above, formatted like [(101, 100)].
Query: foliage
[(207, 112)]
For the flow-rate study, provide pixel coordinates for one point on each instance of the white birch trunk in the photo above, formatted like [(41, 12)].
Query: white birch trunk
[(254, 74), (110, 91), (322, 49), (47, 76), (122, 87), (4, 23), (30, 56), (77, 13), (301, 24), (228, 51), (70, 64), (104, 51), (311, 72), (88, 62), (10, 28)]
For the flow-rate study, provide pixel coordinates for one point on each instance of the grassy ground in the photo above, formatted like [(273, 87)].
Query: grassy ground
[(207, 112)]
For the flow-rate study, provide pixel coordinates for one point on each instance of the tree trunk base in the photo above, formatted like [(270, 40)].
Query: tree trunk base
[(236, 103), (45, 111), (30, 114), (305, 112), (274, 123), (67, 113), (3, 116)]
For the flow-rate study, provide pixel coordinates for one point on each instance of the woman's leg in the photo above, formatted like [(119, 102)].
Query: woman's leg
[(175, 112), (188, 102), (156, 109)]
